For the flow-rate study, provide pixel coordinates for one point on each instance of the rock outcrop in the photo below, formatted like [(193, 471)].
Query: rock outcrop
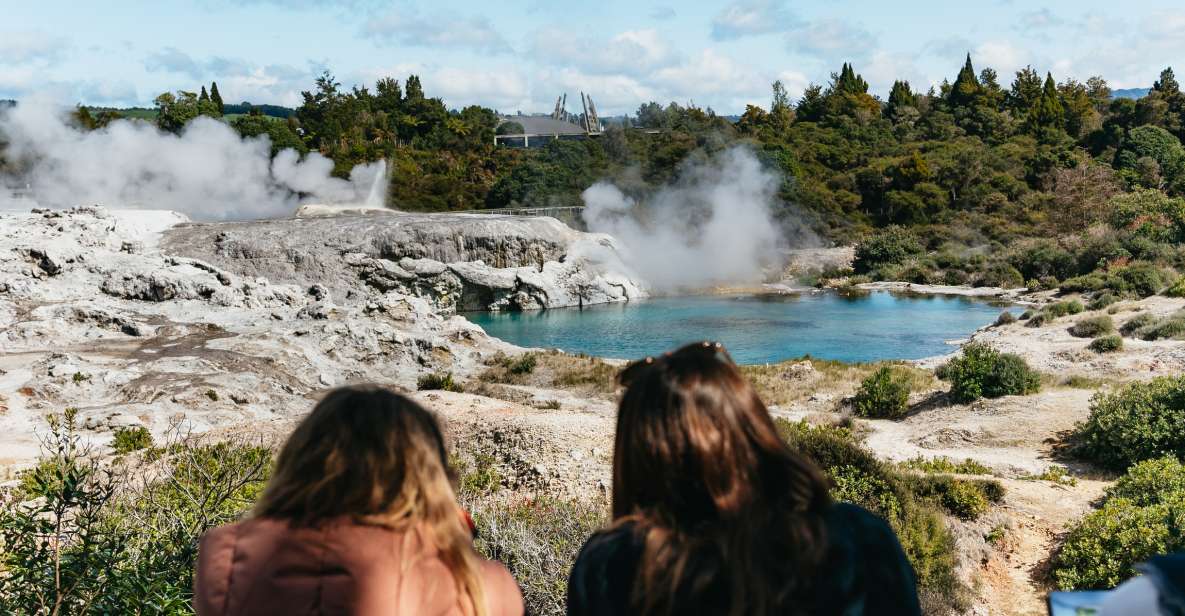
[(457, 262), (142, 318)]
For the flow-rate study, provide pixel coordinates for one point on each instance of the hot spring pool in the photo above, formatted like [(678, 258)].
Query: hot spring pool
[(756, 329)]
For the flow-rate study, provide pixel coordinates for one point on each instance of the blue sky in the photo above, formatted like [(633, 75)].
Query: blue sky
[(519, 55)]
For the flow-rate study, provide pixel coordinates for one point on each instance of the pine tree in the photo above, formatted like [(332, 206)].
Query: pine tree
[(1025, 92), (1048, 112), (1167, 84), (216, 98), (966, 89), (900, 97), (413, 90), (848, 82), (203, 97)]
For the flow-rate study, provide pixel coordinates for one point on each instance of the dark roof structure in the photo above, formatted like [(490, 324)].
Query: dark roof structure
[(545, 125)]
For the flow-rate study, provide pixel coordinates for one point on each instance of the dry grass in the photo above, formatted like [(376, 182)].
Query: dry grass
[(797, 380), (591, 376)]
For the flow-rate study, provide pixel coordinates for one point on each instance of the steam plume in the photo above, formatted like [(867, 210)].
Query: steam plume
[(208, 171), (713, 226)]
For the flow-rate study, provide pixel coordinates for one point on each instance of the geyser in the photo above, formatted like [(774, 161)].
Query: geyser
[(208, 171), (713, 226)]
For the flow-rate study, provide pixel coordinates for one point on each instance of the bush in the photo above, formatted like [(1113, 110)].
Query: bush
[(1061, 309), (104, 539), (890, 246), (1177, 289), (946, 465), (859, 477), (1001, 275), (1150, 482), (1083, 284), (983, 372), (523, 364), (127, 440), (1027, 314), (1168, 327), (1107, 344), (963, 498), (1102, 301), (1137, 323), (1144, 420), (1139, 280), (1005, 318), (1141, 516), (436, 381), (884, 394), (1092, 327)]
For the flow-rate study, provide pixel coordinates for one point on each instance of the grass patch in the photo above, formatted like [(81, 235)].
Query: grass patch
[(1054, 474), (1107, 344), (439, 382), (1092, 327), (943, 464), (134, 438), (554, 370)]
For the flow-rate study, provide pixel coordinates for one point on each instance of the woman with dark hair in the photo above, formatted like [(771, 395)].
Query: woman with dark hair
[(714, 514), (359, 518)]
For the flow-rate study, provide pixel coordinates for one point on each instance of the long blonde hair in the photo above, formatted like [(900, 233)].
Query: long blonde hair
[(379, 458)]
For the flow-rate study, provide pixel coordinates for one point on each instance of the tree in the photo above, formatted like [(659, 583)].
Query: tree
[(1048, 114), (204, 97), (1024, 93), (1167, 84), (966, 89), (175, 111), (1099, 92), (1158, 145), (900, 98), (1082, 194), (1081, 116), (216, 98), (781, 114)]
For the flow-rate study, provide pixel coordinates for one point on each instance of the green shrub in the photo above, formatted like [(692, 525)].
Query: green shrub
[(1140, 280), (946, 465), (859, 477), (983, 372), (1150, 482), (1142, 515), (1172, 327), (884, 394), (1101, 550), (127, 440), (890, 246), (1038, 319), (1107, 344), (966, 499), (1177, 289), (1143, 420), (538, 540), (1061, 309), (1027, 314), (1083, 284), (523, 364), (1001, 275), (123, 542), (1102, 301), (1092, 327), (1137, 323), (1005, 318), (437, 381)]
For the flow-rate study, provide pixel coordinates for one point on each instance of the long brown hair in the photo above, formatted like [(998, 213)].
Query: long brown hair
[(378, 457), (730, 519)]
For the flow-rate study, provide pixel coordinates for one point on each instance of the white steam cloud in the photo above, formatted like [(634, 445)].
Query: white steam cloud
[(714, 226), (207, 172)]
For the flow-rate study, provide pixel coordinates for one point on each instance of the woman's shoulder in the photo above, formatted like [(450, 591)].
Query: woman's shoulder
[(503, 595), (611, 544), (860, 525)]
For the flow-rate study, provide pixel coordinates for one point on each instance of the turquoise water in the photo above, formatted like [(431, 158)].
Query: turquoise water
[(756, 329)]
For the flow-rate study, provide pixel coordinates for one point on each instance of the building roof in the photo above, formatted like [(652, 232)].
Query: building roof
[(544, 125)]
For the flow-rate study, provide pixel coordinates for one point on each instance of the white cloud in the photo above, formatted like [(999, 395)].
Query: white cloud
[(23, 47), (633, 52), (831, 40), (238, 80), (501, 87), (445, 31), (751, 17)]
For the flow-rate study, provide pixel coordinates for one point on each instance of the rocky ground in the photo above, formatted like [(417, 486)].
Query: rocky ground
[(142, 318)]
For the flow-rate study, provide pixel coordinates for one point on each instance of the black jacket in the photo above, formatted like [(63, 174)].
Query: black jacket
[(864, 572)]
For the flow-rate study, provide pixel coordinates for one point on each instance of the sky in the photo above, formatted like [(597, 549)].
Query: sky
[(519, 55)]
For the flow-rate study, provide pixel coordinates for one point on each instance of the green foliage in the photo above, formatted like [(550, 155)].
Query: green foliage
[(860, 478), (1005, 318), (1107, 344), (946, 465), (1177, 289), (1102, 301), (1136, 323), (983, 372), (884, 394), (438, 381), (523, 364), (1143, 420), (891, 246), (134, 438), (1055, 474), (1092, 327), (117, 540), (1141, 516)]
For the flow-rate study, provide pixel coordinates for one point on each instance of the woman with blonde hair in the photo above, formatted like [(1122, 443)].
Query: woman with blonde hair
[(715, 515), (359, 517)]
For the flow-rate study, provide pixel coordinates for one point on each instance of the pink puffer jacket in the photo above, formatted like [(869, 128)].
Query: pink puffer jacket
[(263, 566)]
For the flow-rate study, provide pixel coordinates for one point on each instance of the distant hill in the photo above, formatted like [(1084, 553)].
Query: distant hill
[(1130, 93), (274, 111)]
